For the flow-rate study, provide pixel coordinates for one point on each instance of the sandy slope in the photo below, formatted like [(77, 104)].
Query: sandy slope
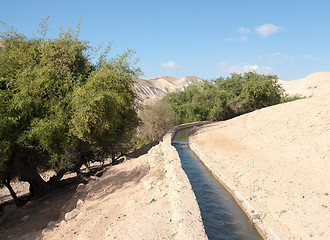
[(278, 158), (149, 197), (316, 83)]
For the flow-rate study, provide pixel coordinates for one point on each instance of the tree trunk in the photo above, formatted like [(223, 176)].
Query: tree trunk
[(56, 178), (17, 201), (37, 185)]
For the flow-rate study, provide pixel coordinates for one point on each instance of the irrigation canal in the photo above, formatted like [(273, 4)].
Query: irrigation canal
[(222, 217)]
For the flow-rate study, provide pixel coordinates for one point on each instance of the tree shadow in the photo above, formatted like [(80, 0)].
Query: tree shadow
[(25, 222)]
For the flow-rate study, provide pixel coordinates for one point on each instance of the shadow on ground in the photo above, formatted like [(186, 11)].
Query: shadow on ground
[(26, 221)]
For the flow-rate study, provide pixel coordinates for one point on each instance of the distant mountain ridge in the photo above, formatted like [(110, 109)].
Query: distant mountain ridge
[(156, 88)]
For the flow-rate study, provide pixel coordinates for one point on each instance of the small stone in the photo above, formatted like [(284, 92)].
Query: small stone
[(80, 203), (45, 231), (93, 178), (63, 223), (99, 173), (80, 188), (69, 215), (51, 225), (25, 218)]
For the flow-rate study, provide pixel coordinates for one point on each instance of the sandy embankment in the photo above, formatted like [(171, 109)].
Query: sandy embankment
[(278, 159), (149, 197)]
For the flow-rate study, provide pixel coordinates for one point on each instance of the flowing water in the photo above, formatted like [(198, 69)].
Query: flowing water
[(222, 217)]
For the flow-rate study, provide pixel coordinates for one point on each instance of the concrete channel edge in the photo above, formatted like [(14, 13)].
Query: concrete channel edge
[(264, 229)]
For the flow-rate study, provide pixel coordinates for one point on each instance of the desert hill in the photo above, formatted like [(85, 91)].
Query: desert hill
[(278, 159), (315, 83), (155, 88)]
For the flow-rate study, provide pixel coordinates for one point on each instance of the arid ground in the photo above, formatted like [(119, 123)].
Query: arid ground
[(278, 159)]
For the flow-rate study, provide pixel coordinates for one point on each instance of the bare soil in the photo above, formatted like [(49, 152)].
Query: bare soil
[(278, 159)]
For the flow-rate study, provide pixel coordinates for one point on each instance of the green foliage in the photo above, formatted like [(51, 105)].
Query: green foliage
[(197, 103), (57, 108), (225, 98), (288, 98), (250, 91), (139, 141), (104, 109)]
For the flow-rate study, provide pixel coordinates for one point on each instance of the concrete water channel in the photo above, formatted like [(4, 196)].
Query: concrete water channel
[(222, 216)]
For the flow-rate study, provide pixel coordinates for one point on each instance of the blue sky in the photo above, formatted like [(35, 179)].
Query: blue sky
[(206, 38)]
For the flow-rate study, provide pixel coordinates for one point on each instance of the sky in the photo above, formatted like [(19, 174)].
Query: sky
[(204, 38)]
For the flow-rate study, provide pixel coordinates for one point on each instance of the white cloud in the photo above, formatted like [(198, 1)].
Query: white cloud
[(224, 67), (242, 35), (278, 54), (169, 65), (268, 29), (311, 57)]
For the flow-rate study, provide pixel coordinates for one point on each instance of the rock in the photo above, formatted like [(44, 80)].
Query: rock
[(62, 223), (45, 231), (25, 218), (80, 188), (51, 225), (80, 203), (99, 173), (69, 215), (93, 178)]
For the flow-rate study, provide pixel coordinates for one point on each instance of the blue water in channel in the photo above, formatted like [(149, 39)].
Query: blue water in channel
[(222, 217)]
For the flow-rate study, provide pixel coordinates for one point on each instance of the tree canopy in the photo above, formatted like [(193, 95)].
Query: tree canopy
[(225, 98), (57, 108)]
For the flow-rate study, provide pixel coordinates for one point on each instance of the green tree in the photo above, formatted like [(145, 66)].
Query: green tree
[(104, 108), (250, 91), (197, 103), (57, 109), (225, 98)]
